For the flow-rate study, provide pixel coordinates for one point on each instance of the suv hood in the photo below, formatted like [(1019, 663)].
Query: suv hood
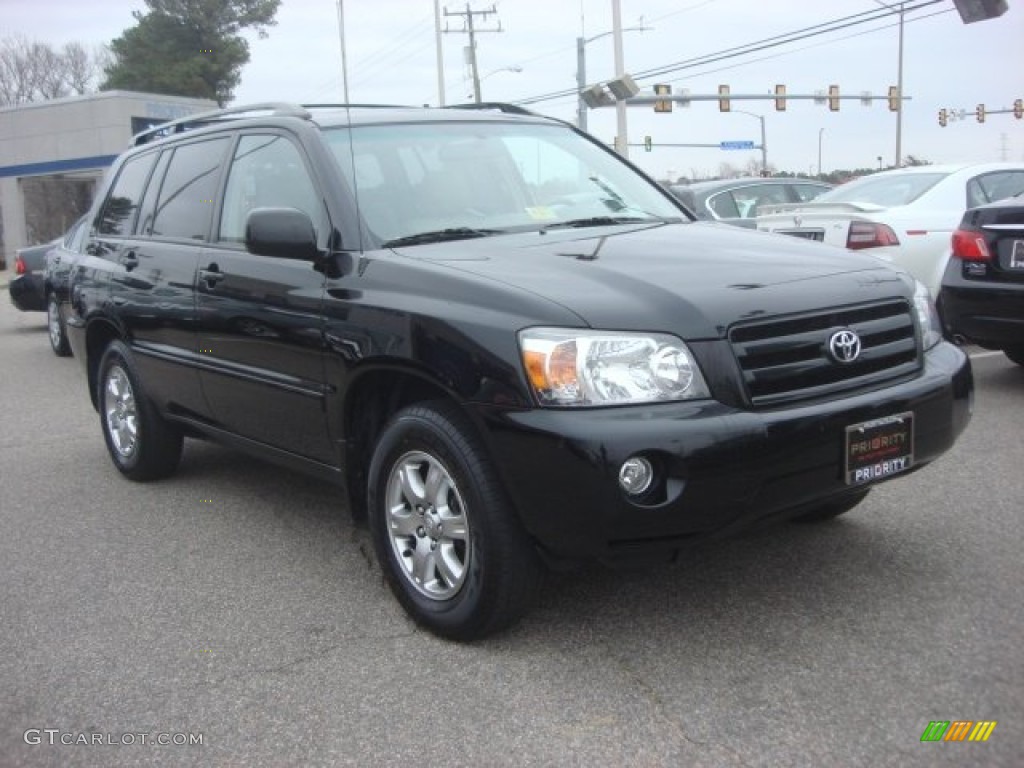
[(692, 279)]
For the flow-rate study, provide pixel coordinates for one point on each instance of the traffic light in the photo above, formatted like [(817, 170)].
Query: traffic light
[(780, 98), (833, 98), (943, 117), (979, 113), (663, 89), (723, 98), (648, 143), (894, 98), (1018, 108)]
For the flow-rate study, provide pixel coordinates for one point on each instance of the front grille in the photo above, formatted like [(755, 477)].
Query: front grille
[(788, 359)]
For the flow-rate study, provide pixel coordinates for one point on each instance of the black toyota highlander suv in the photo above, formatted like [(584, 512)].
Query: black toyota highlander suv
[(507, 344)]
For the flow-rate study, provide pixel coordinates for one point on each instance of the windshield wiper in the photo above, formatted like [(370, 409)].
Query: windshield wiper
[(603, 221), (441, 236)]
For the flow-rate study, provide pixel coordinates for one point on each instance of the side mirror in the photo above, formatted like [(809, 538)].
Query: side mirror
[(286, 233)]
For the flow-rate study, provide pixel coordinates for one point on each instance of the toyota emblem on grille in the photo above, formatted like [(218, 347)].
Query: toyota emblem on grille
[(844, 346)]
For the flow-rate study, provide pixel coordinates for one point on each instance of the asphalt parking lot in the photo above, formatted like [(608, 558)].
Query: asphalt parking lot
[(237, 603)]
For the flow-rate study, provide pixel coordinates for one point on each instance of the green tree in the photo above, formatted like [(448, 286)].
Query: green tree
[(188, 47)]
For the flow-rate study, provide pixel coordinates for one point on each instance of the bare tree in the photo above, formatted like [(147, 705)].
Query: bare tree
[(34, 71)]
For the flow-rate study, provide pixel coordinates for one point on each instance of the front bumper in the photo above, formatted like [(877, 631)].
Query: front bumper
[(724, 468)]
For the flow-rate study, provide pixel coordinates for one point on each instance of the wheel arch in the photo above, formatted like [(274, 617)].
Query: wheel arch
[(98, 334), (369, 403)]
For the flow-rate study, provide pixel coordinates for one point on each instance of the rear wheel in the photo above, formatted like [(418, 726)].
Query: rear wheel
[(449, 543), (833, 509), (1016, 355), (141, 443), (56, 328)]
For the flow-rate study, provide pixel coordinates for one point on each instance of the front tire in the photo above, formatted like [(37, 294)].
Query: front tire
[(141, 443), (448, 541), (56, 329)]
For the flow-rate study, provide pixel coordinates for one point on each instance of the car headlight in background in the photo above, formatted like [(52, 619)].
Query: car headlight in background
[(567, 366), (927, 317)]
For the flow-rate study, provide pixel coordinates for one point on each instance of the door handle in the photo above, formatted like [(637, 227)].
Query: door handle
[(130, 261), (211, 275)]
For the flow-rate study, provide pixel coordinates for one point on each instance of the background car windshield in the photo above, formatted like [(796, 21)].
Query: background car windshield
[(898, 189), (426, 177)]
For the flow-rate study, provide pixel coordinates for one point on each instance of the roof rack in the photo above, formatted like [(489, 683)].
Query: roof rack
[(498, 106), (191, 122)]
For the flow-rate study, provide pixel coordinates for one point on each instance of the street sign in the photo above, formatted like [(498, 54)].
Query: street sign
[(736, 145)]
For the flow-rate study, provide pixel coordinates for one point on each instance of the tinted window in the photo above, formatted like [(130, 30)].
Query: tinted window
[(267, 172), (994, 186), (118, 215), (187, 191), (723, 206)]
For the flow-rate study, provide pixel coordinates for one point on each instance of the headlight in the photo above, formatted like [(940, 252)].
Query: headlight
[(927, 317), (586, 368)]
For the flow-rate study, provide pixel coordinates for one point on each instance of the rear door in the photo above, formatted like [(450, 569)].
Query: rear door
[(260, 325), (153, 290)]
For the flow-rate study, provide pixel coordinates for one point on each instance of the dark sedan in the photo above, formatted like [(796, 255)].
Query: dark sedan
[(982, 295), (27, 288), (60, 259)]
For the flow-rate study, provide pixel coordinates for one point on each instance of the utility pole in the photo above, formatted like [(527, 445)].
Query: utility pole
[(439, 53), (468, 15)]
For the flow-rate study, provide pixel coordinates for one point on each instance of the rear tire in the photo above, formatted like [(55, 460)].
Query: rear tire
[(448, 541), (1016, 355), (141, 443), (56, 329), (833, 509)]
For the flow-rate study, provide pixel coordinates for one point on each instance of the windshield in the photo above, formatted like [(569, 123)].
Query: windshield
[(424, 182), (897, 189)]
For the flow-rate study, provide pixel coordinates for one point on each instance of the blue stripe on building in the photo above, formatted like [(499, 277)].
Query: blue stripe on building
[(58, 166)]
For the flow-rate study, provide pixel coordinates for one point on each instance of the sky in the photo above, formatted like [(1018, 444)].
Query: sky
[(391, 58)]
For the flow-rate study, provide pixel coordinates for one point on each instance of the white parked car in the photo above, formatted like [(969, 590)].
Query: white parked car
[(905, 216)]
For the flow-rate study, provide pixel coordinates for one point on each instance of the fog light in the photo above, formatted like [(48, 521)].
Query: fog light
[(636, 475)]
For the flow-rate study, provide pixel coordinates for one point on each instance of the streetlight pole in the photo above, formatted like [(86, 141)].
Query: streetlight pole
[(581, 71), (764, 142), (621, 139), (344, 59), (513, 68)]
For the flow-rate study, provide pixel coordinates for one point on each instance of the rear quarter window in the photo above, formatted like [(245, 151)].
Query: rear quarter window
[(122, 204)]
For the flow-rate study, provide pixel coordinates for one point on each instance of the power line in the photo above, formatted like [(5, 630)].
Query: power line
[(743, 50)]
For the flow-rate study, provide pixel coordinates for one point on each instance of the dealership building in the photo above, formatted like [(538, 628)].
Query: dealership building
[(54, 153)]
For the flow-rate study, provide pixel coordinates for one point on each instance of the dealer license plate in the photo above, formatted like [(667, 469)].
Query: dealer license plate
[(880, 448)]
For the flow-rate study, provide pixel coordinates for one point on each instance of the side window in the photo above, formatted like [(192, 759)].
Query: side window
[(73, 239), (723, 206), (805, 192), (749, 199), (186, 194), (120, 207), (266, 172)]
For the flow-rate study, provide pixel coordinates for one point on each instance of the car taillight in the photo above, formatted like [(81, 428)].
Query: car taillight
[(970, 246), (19, 266), (870, 234)]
